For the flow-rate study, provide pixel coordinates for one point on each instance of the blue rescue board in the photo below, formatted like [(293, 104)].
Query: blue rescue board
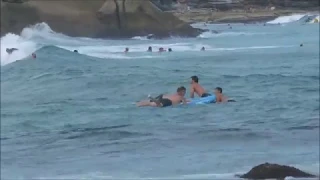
[(204, 100)]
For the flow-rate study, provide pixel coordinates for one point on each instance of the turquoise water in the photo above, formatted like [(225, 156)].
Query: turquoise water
[(69, 115)]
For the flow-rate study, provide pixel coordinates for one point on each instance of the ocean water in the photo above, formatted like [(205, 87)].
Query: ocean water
[(69, 115)]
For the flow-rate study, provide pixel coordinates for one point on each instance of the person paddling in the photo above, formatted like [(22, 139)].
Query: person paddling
[(166, 100), (195, 87)]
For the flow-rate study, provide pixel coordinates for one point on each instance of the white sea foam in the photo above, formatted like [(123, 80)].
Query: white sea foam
[(35, 37), (210, 34), (25, 48), (291, 18)]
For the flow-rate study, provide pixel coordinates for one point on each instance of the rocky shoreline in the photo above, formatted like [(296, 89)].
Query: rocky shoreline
[(237, 16), (118, 19), (275, 171)]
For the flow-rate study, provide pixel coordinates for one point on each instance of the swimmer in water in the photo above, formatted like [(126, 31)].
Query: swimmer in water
[(33, 55), (195, 87), (126, 50), (166, 100), (149, 49), (10, 50), (203, 49), (76, 51), (170, 50), (162, 49), (301, 45), (220, 97)]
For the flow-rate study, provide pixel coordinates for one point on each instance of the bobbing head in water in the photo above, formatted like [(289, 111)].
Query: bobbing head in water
[(218, 91), (162, 49), (194, 79), (220, 97), (33, 55)]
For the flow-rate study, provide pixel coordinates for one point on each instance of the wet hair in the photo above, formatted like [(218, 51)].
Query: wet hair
[(181, 88), (34, 55), (219, 89), (195, 78)]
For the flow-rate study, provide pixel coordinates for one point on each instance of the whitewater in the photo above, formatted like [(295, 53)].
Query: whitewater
[(67, 115), (37, 36)]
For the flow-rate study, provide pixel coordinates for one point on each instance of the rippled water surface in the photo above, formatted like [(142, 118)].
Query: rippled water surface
[(69, 115)]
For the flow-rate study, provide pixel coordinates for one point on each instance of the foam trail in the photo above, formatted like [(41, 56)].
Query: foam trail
[(144, 38), (227, 34), (98, 175), (116, 51), (287, 19)]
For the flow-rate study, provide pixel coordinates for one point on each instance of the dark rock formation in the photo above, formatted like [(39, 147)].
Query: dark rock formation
[(71, 17), (94, 18), (142, 17), (274, 171)]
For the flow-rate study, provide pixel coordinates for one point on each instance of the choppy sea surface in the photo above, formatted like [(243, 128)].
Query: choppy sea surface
[(72, 115)]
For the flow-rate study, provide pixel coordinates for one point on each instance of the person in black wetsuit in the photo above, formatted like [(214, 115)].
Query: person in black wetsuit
[(195, 87), (10, 50), (166, 100)]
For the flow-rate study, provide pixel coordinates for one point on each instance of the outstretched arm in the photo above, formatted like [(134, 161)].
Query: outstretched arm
[(184, 101)]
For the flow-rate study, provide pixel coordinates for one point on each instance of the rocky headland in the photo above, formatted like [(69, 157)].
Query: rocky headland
[(94, 18), (127, 18), (243, 11)]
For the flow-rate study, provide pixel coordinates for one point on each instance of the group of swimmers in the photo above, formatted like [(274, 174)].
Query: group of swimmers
[(161, 49), (179, 97)]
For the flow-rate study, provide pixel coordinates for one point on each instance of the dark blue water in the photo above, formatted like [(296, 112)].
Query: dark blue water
[(68, 115)]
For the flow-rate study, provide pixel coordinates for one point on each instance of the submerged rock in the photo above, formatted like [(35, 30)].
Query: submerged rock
[(274, 171), (94, 18)]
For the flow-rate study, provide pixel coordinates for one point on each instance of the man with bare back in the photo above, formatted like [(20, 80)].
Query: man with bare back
[(166, 100), (221, 97), (195, 87)]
